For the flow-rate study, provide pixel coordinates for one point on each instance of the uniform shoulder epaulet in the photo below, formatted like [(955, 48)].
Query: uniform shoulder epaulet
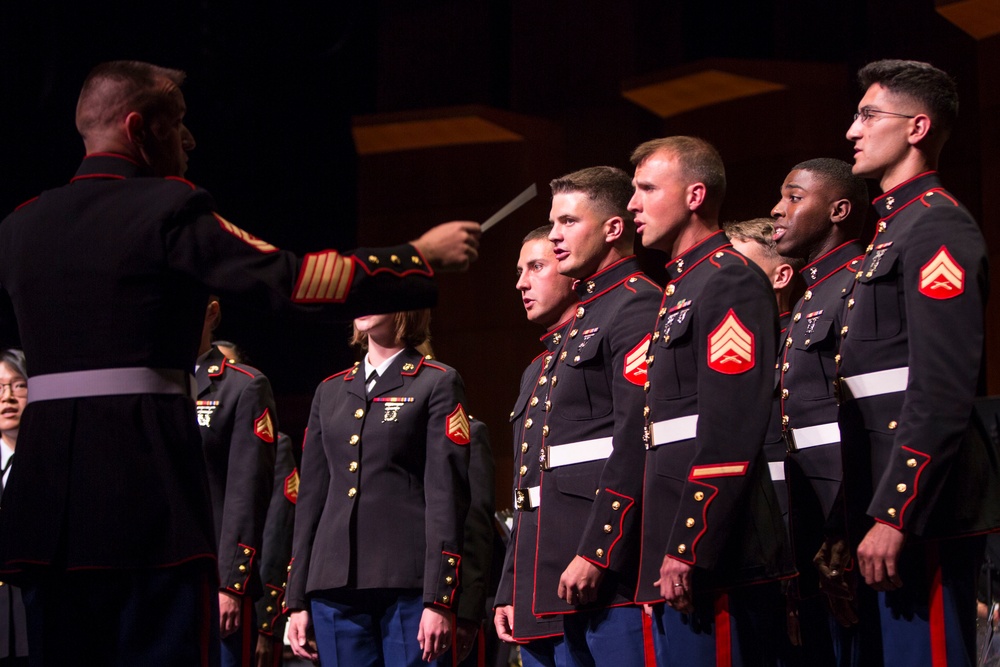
[(347, 374), (726, 257), (30, 201), (855, 264), (937, 197), (181, 180), (435, 366)]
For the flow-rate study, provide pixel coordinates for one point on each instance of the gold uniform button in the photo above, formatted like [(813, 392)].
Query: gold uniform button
[(451, 562), (893, 425), (524, 448), (699, 496), (784, 393), (511, 414), (528, 422), (798, 316), (808, 295), (607, 528), (645, 411), (670, 290), (615, 505), (270, 608), (373, 259), (242, 568), (645, 386), (264, 625), (663, 311), (449, 579), (836, 359), (351, 492), (808, 340), (353, 466), (548, 406), (870, 248), (573, 333), (784, 420), (784, 367), (534, 401), (562, 355), (355, 439), (359, 413), (788, 342), (576, 359), (246, 552), (415, 260), (633, 278), (548, 358), (545, 430), (911, 463), (891, 512), (689, 523), (274, 594), (850, 303), (882, 226), (600, 553), (580, 312), (656, 336), (444, 599), (394, 259), (681, 548), (901, 488), (843, 330), (238, 586), (542, 380), (555, 380), (523, 470)]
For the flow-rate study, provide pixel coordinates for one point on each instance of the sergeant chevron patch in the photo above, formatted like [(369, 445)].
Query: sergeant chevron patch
[(942, 277), (292, 487), (457, 428), (731, 346), (245, 236), (263, 427), (635, 362)]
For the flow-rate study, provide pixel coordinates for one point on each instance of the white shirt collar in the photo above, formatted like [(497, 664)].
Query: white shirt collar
[(381, 368)]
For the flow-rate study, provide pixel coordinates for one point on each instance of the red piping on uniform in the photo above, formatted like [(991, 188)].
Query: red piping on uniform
[(648, 648), (939, 648), (621, 530), (941, 192), (704, 523), (33, 199), (723, 632), (916, 479), (181, 180), (117, 177), (886, 194), (115, 155)]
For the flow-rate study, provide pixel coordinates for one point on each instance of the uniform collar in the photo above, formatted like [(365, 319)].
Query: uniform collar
[(833, 261), (553, 339), (905, 194), (210, 365), (599, 283), (107, 165), (697, 253)]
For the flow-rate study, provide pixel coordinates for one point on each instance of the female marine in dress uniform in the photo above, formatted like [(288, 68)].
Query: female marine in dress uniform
[(383, 495)]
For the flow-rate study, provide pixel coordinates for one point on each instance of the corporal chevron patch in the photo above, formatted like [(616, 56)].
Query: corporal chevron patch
[(324, 277), (263, 426), (942, 277), (457, 428), (292, 487), (245, 236), (731, 346), (635, 362)]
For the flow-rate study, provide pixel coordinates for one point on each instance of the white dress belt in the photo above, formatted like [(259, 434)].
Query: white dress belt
[(577, 452), (672, 430), (812, 436), (877, 383)]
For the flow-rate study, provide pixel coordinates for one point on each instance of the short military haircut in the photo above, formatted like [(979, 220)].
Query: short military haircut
[(919, 81), (838, 175), (761, 232), (412, 327), (608, 188), (699, 161), (114, 89), (538, 233)]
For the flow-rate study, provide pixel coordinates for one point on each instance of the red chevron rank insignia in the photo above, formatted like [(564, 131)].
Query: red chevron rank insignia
[(635, 362), (731, 346), (263, 427), (457, 428), (292, 486), (245, 236), (942, 277)]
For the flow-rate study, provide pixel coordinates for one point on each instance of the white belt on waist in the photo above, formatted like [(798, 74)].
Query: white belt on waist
[(577, 452), (777, 469), (110, 382), (877, 383), (813, 436), (527, 498), (672, 430)]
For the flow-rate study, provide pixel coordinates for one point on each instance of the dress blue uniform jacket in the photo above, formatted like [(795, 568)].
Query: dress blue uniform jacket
[(384, 484), (113, 270)]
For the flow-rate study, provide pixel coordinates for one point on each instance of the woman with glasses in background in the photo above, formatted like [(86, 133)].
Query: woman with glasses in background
[(13, 398)]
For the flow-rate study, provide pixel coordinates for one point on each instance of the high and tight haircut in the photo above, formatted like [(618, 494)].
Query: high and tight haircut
[(412, 328), (538, 233), (761, 232), (122, 86), (15, 359), (700, 162), (838, 175), (919, 81), (608, 188)]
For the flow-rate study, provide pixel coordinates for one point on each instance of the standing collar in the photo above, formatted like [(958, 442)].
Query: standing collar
[(107, 165), (606, 278), (697, 253), (906, 193), (824, 267)]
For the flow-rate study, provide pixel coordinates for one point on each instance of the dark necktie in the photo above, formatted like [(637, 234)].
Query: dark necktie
[(371, 382), (3, 472)]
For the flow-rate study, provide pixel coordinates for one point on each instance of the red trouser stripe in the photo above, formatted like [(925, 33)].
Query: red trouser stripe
[(723, 640), (939, 648), (649, 649)]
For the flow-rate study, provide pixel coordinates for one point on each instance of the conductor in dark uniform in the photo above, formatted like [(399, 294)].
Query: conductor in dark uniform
[(108, 277), (550, 301), (239, 427), (918, 479), (711, 525), (591, 424), (378, 545), (818, 220)]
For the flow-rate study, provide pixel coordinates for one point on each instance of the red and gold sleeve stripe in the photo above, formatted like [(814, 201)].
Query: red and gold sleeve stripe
[(324, 277)]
